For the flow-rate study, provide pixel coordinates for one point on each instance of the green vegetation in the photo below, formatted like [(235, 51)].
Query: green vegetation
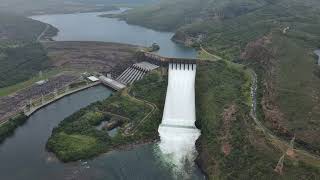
[(170, 15), (22, 62), (18, 28), (297, 87), (8, 128), (274, 37), (21, 57), (78, 84), (77, 137), (205, 55), (230, 146), (16, 87), (31, 7), (155, 93)]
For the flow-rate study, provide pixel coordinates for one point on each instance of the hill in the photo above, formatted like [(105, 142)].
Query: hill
[(21, 56), (18, 28), (230, 146), (32, 7), (274, 37), (182, 12)]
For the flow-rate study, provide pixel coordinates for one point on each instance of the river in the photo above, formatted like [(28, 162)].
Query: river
[(23, 156)]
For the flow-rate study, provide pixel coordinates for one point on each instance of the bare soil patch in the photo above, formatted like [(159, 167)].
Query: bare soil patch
[(91, 56)]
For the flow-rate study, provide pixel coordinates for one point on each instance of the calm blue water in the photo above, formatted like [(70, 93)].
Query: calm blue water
[(91, 27)]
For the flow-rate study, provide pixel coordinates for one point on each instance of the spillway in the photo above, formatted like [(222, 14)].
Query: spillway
[(177, 130)]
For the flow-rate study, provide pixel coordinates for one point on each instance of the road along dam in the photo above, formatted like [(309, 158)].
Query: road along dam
[(177, 131)]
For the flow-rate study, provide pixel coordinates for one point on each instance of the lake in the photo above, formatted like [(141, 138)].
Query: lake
[(91, 27)]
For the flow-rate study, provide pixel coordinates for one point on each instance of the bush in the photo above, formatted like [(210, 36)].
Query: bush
[(9, 127)]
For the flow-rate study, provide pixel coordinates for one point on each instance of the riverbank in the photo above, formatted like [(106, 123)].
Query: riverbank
[(21, 115), (77, 137), (68, 60), (34, 109), (27, 144), (229, 137), (15, 102), (8, 128)]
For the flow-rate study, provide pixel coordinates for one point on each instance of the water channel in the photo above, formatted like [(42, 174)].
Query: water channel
[(23, 156)]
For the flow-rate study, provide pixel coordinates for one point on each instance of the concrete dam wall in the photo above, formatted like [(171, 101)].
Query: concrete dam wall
[(177, 131)]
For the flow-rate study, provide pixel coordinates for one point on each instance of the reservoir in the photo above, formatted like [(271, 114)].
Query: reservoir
[(91, 27), (23, 156)]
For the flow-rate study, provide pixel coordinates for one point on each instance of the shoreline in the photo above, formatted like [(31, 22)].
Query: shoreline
[(128, 146), (107, 8), (123, 147), (32, 111)]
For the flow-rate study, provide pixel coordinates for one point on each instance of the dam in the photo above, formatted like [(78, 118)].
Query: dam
[(177, 131)]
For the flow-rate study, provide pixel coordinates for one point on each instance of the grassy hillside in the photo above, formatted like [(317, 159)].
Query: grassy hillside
[(231, 146), (20, 62), (170, 15), (30, 7), (275, 37), (17, 28), (20, 55)]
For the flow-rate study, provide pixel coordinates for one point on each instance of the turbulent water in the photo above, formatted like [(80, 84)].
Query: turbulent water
[(318, 53), (177, 130)]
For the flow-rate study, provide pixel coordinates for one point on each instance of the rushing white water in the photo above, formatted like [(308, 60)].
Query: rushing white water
[(318, 54), (177, 130)]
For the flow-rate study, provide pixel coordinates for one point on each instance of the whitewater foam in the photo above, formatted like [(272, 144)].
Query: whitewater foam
[(177, 130)]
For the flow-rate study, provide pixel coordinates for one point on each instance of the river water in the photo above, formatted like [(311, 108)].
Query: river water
[(23, 156)]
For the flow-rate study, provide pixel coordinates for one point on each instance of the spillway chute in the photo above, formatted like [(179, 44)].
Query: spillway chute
[(177, 131)]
